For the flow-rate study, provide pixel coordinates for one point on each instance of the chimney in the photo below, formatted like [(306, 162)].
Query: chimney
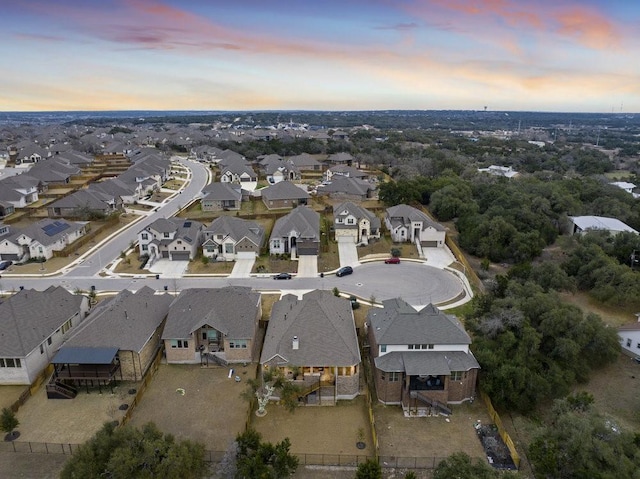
[(295, 344)]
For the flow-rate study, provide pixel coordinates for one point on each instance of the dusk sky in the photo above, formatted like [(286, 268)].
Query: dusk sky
[(542, 55)]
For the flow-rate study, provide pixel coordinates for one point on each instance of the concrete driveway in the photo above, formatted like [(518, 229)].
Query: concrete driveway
[(438, 257), (242, 267), (348, 252), (169, 269), (307, 266)]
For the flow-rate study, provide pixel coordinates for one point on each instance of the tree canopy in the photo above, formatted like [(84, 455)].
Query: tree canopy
[(258, 459), (126, 452)]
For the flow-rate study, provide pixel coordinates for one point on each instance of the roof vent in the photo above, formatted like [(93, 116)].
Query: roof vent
[(295, 343)]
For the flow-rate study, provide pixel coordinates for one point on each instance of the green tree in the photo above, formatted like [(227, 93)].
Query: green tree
[(460, 466), (369, 469), (8, 420), (126, 452), (263, 460)]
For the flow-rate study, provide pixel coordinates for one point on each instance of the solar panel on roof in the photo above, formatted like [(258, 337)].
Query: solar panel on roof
[(187, 224), (55, 228)]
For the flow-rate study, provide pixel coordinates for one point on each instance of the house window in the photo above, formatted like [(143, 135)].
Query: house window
[(420, 346), (179, 241), (66, 326), (145, 236), (351, 221), (211, 249), (179, 343), (339, 220), (383, 348), (10, 363), (228, 248), (42, 349), (457, 375), (238, 344), (145, 247), (49, 340), (165, 235), (392, 377), (276, 243)]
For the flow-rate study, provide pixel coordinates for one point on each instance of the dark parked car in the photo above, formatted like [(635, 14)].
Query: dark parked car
[(4, 265), (282, 276), (345, 270), (392, 260)]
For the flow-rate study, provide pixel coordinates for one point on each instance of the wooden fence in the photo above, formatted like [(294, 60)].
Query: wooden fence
[(501, 430), (143, 386)]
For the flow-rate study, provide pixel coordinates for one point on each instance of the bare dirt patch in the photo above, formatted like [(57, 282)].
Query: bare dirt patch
[(613, 316), (210, 410), (317, 430)]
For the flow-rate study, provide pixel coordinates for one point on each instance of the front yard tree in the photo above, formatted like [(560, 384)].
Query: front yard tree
[(263, 388), (460, 466), (125, 452), (369, 469), (257, 459)]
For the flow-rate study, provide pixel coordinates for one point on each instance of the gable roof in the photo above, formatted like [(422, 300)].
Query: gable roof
[(284, 190), (399, 323), (29, 317), (601, 223), (236, 229), (301, 219), (347, 185), (86, 198), (349, 208), (47, 231), (125, 321), (405, 214), (324, 326), (232, 310), (222, 191), (184, 229)]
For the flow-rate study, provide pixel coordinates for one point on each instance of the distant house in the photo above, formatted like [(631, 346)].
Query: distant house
[(583, 224), (129, 326), (354, 223), (341, 158), (284, 195), (344, 187), (40, 240), (629, 336), (213, 324), (6, 209), (85, 203), (628, 187), (421, 359), (296, 233), (313, 342), (175, 239), (238, 174), (505, 171), (221, 196), (33, 325), (343, 170), (305, 162), (407, 223), (54, 171), (229, 238), (20, 190)]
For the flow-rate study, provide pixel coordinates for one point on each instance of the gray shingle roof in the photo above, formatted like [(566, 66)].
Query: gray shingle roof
[(88, 198), (126, 321), (356, 210), (231, 310), (187, 230), (236, 229), (222, 191), (399, 323), (426, 362), (284, 190), (347, 185), (405, 214), (29, 317), (301, 219), (324, 326), (47, 231)]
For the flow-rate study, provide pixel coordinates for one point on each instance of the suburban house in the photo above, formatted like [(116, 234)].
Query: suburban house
[(583, 224), (228, 238), (117, 341), (33, 325), (626, 186), (421, 359), (175, 239), (344, 170), (341, 158), (118, 192), (305, 162), (296, 233), (54, 171), (629, 336), (313, 342), (217, 325), (495, 170), (40, 239), (407, 223), (205, 153), (284, 194), (354, 223), (20, 190), (238, 174), (84, 204), (345, 187), (220, 197)]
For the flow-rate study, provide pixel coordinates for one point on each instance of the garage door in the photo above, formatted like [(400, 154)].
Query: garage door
[(180, 256), (429, 244), (245, 255)]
